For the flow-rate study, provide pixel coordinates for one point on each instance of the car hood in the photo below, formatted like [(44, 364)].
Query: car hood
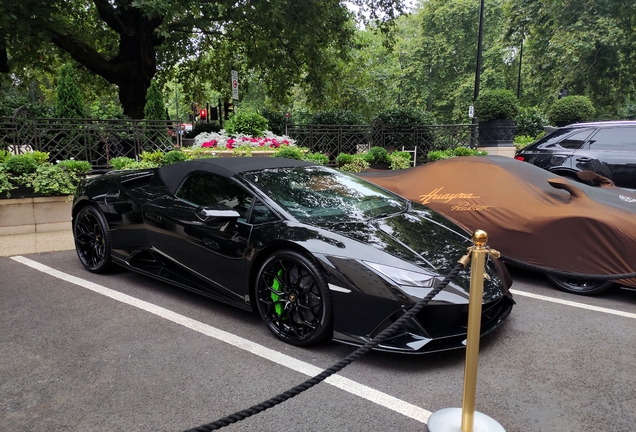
[(428, 240)]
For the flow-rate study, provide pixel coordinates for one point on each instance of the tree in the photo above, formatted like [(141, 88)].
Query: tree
[(127, 41), (155, 108), (586, 46), (69, 103)]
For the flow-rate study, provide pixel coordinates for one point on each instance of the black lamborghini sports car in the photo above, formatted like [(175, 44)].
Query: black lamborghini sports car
[(320, 254)]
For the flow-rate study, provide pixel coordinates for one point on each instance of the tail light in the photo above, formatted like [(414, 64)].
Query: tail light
[(521, 158)]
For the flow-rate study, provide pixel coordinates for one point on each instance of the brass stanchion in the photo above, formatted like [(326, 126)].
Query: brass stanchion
[(466, 419)]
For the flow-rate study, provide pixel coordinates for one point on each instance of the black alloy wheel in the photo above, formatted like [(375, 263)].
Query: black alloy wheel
[(578, 286), (293, 299), (92, 240)]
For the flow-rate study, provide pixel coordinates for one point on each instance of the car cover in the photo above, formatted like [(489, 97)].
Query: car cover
[(529, 213)]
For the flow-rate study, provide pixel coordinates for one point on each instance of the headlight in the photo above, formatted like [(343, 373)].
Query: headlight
[(403, 277)]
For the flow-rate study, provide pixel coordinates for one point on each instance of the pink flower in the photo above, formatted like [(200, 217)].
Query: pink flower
[(211, 143), (230, 141), (229, 145)]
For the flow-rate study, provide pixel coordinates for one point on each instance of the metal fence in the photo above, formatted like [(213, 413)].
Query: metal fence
[(335, 139), (96, 141)]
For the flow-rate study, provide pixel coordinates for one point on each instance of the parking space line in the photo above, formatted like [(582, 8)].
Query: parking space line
[(409, 410), (574, 304)]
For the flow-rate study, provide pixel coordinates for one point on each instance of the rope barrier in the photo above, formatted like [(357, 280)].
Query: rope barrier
[(565, 274), (295, 391)]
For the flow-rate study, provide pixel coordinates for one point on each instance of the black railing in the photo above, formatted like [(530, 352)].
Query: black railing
[(335, 139), (96, 141)]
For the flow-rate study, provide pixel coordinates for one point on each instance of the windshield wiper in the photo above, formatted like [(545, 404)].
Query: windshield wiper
[(407, 208)]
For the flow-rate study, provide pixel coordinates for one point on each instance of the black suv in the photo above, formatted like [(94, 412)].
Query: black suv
[(606, 148)]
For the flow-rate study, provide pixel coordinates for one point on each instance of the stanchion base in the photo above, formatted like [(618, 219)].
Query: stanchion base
[(450, 420)]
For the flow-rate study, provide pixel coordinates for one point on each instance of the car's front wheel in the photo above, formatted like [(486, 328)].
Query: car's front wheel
[(293, 298), (579, 286), (92, 240)]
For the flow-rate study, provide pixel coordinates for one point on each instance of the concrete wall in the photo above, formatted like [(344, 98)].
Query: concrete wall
[(33, 215)]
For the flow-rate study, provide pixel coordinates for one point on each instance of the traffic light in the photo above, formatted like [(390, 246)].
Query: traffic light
[(203, 114), (227, 109), (214, 113)]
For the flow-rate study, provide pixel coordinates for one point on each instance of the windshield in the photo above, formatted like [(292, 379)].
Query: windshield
[(318, 194)]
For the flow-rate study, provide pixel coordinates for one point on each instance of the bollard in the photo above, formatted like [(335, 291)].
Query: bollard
[(466, 419)]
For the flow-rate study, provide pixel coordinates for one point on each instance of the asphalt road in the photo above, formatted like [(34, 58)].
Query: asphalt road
[(128, 353)]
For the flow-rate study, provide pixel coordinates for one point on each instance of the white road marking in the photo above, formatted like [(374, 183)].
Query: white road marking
[(350, 386), (574, 304)]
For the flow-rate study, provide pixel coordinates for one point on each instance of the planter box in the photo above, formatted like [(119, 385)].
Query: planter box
[(497, 133), (229, 153), (31, 215)]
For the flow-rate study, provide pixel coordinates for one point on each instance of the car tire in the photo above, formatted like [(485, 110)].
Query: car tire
[(293, 299), (92, 240), (578, 286)]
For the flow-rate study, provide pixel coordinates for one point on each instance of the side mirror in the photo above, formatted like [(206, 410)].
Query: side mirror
[(219, 213), (561, 183)]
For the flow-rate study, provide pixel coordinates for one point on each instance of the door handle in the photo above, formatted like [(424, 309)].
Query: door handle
[(584, 159)]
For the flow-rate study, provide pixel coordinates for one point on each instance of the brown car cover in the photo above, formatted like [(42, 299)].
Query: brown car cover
[(529, 213)]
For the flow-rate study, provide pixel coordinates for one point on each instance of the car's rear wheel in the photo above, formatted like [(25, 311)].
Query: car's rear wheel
[(293, 298), (579, 286), (92, 240)]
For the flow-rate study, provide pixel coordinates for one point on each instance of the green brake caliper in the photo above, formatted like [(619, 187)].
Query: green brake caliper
[(278, 307)]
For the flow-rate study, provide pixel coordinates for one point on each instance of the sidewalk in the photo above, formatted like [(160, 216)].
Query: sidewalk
[(22, 244)]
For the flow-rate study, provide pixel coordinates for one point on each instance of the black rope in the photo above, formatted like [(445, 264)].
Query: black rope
[(241, 415), (565, 274)]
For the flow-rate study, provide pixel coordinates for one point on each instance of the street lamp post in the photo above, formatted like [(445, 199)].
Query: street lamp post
[(473, 137)]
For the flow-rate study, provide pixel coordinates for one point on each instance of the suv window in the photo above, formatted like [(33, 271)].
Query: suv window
[(615, 139), (577, 140), (203, 189), (556, 139)]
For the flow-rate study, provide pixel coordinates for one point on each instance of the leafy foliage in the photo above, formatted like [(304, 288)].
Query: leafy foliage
[(530, 121), (155, 158), (174, 156), (21, 164), (343, 159), (155, 107), (451, 153), (120, 163), (317, 158), (521, 141), (246, 122), (337, 117), (571, 109), (496, 104), (376, 155), (50, 179), (356, 165), (405, 116), (289, 152), (70, 103), (399, 160), (75, 166), (275, 120)]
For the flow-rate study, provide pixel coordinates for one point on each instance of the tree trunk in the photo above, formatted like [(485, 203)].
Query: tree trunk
[(135, 64)]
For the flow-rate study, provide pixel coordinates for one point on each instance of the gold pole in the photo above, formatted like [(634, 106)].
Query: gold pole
[(480, 238)]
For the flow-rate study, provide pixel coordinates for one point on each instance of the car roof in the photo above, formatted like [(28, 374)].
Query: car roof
[(172, 175), (602, 124)]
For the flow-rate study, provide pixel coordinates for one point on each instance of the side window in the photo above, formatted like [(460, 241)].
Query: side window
[(577, 140), (261, 213), (615, 139), (208, 190)]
